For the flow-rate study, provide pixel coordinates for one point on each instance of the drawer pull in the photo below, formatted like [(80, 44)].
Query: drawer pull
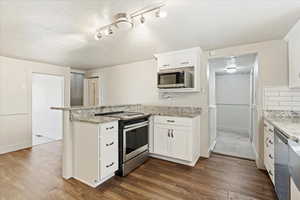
[(109, 128), (172, 131), (271, 174), (185, 63), (107, 166), (265, 125), (109, 144), (166, 65), (270, 156), (271, 130), (171, 121), (169, 132), (271, 142), (266, 142)]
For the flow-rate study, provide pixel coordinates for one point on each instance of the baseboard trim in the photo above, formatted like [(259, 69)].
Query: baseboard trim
[(257, 159), (245, 132), (192, 163), (212, 146), (15, 147)]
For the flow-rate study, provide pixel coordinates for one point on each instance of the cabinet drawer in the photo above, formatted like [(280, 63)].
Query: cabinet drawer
[(180, 121), (109, 146), (271, 173), (108, 166), (108, 128)]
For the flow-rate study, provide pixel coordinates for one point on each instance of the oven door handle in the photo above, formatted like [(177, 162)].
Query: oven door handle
[(135, 126)]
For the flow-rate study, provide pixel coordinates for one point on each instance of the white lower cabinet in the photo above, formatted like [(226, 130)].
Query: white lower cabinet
[(295, 193), (95, 152), (177, 141), (269, 150)]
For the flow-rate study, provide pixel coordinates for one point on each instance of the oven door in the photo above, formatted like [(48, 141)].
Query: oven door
[(135, 140), (171, 79)]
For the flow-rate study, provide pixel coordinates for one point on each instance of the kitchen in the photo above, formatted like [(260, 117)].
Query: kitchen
[(139, 123)]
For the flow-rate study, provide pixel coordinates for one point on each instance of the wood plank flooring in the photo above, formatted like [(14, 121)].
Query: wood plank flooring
[(36, 174)]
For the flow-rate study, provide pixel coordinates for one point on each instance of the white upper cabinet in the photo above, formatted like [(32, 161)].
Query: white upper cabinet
[(293, 39), (178, 59), (166, 62), (182, 60)]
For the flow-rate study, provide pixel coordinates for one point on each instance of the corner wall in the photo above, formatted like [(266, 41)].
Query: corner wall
[(15, 100)]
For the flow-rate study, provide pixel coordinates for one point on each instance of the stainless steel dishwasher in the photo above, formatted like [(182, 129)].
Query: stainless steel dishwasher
[(294, 161), (282, 175)]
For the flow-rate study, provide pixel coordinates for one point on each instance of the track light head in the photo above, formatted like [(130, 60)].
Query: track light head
[(143, 19), (160, 14), (98, 35), (110, 31)]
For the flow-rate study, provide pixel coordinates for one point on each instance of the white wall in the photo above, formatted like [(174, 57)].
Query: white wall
[(15, 100), (136, 83), (47, 91), (233, 103)]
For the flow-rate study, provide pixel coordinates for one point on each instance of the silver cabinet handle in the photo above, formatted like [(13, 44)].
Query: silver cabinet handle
[(168, 132), (170, 121), (107, 166), (271, 142), (166, 65), (270, 156), (185, 63), (109, 144), (266, 142), (271, 130), (271, 174), (109, 128), (172, 133)]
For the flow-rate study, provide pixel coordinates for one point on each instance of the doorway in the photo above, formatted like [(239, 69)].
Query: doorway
[(231, 99), (47, 92)]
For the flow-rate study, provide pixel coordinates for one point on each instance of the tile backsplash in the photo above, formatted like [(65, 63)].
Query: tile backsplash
[(281, 98)]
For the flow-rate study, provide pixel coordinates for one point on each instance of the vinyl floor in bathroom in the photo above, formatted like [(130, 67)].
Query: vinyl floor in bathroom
[(234, 144)]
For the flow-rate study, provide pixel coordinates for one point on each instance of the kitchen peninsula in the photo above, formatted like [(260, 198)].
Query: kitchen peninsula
[(102, 140)]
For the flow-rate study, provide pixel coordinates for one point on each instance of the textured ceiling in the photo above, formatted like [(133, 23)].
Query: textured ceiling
[(61, 31)]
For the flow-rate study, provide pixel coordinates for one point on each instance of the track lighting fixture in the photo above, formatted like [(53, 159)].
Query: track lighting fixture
[(126, 21)]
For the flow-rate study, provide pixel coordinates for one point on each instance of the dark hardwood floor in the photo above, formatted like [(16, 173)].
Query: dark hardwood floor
[(36, 174)]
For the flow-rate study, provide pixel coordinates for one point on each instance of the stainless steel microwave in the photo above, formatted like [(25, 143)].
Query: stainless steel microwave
[(175, 79)]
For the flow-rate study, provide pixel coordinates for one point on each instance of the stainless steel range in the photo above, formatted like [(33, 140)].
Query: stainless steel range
[(133, 139)]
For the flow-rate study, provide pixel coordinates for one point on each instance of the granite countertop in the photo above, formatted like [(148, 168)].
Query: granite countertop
[(187, 115), (289, 125), (95, 120)]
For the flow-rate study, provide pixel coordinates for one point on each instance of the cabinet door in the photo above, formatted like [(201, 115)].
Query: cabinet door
[(179, 144), (186, 59), (294, 62), (161, 140), (165, 62)]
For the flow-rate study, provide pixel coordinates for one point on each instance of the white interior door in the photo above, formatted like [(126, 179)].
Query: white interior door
[(91, 92), (47, 92)]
